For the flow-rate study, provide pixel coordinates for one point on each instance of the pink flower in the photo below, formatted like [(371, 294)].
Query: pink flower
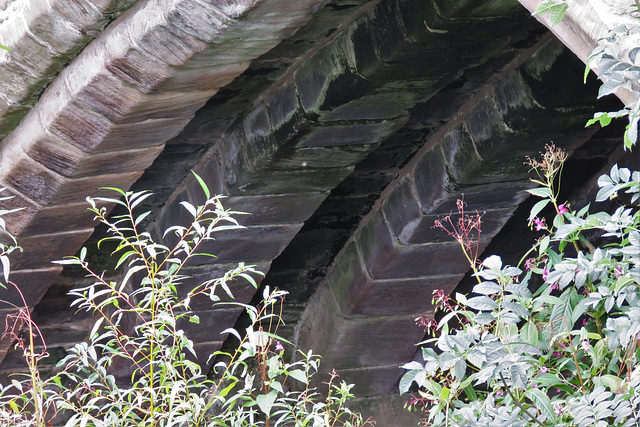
[(557, 408), (543, 370), (555, 287), (617, 272), (540, 224), (529, 263), (556, 354), (279, 346), (586, 345), (545, 273), (562, 209), (585, 322)]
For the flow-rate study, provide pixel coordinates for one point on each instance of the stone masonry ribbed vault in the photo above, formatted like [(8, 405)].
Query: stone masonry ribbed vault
[(345, 127)]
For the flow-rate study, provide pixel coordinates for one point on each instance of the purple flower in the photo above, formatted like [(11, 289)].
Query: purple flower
[(540, 224), (617, 272), (543, 370), (545, 274), (556, 354), (557, 409), (279, 346), (555, 286), (562, 209), (586, 345), (585, 322)]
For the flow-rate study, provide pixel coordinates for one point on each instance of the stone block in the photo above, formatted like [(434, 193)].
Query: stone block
[(320, 157), (275, 209), (251, 244), (91, 132), (203, 78), (348, 280), (483, 121), (69, 161), (355, 134), (321, 80), (492, 222), (430, 179), (370, 380), (401, 209), (485, 197), (430, 259), (380, 106), (374, 240), (282, 104), (203, 351), (47, 188), (356, 343), (304, 180), (32, 284), (399, 296), (40, 250)]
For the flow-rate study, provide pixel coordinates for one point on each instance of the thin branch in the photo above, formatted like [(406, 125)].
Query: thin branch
[(518, 404)]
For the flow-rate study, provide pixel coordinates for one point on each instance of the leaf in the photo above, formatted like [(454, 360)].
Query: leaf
[(541, 400), (481, 303), (204, 187), (535, 210), (5, 267), (299, 375), (543, 192), (487, 288), (407, 380), (265, 401), (189, 207)]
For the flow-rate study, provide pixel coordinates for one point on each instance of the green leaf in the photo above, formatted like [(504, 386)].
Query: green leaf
[(543, 192), (481, 303), (541, 400), (299, 375), (204, 187), (544, 244), (265, 401), (535, 210), (529, 333), (194, 319), (407, 380)]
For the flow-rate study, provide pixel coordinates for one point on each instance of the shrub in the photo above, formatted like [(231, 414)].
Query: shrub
[(139, 325), (553, 341)]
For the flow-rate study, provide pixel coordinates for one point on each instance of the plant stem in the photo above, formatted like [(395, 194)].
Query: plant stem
[(517, 402)]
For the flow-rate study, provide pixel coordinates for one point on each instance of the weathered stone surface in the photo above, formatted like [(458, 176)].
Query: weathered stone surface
[(274, 209), (346, 343), (372, 381), (47, 188), (350, 135), (43, 37), (401, 209), (492, 221), (40, 250), (251, 244), (30, 284)]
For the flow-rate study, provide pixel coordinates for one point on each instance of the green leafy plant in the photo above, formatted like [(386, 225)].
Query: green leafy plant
[(552, 341), (140, 326)]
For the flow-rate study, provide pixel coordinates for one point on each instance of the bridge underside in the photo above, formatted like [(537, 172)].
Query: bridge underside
[(344, 127)]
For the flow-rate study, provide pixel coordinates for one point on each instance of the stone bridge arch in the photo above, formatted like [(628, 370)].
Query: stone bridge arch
[(344, 126)]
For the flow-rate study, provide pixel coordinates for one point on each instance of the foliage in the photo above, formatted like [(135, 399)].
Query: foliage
[(553, 341), (617, 63), (140, 325)]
